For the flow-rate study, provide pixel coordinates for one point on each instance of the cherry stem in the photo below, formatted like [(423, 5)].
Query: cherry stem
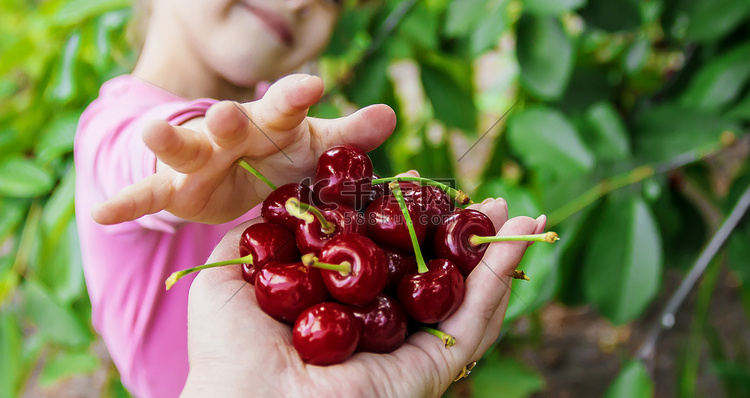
[(309, 259), (448, 340), (256, 173), (179, 274), (518, 274), (456, 194), (306, 212), (396, 189), (549, 237)]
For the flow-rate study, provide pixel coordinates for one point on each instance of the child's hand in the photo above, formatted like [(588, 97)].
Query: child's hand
[(197, 178)]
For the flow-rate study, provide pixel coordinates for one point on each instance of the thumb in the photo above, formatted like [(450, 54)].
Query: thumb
[(366, 129), (286, 103)]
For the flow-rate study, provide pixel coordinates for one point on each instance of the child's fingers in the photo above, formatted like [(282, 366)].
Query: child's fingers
[(366, 129), (287, 101), (150, 195), (184, 150), (227, 124)]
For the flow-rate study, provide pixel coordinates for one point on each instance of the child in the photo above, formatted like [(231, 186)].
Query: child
[(170, 189)]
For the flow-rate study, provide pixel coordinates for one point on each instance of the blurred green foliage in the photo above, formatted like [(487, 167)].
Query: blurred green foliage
[(55, 55), (614, 106)]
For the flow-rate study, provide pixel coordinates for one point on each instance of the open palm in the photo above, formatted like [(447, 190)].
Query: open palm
[(237, 350), (197, 178)]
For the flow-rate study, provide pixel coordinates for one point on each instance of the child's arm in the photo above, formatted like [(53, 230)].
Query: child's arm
[(197, 178)]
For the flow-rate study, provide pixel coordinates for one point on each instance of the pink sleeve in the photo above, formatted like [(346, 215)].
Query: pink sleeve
[(191, 110), (125, 265)]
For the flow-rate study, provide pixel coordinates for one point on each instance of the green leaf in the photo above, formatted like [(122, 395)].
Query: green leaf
[(370, 80), (541, 265), (17, 52), (325, 110), (545, 55), (738, 252), (741, 110), (114, 387), (420, 27), (544, 139), (351, 22), (666, 131), (587, 86), (59, 209), (463, 15), (511, 376), (59, 266), (452, 101), (633, 381), (12, 213), (610, 141), (10, 353), (710, 20), (575, 233), (67, 364), (735, 377), (637, 55), (55, 321), (487, 33), (623, 265), (101, 40), (63, 85), (551, 7), (612, 15), (76, 11), (520, 200), (720, 81), (23, 178), (8, 142), (57, 137)]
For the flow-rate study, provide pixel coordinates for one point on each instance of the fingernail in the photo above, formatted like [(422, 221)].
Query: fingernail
[(541, 221), (302, 82)]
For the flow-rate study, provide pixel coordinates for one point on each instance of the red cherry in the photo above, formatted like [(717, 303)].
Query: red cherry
[(273, 209), (378, 190), (311, 237), (407, 188), (432, 296), (284, 290), (384, 325), (399, 265), (452, 239), (434, 204), (387, 226), (266, 242), (367, 268), (326, 334), (343, 175)]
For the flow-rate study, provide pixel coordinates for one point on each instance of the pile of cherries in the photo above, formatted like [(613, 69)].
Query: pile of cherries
[(343, 260)]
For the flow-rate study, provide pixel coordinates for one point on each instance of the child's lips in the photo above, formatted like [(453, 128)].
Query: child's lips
[(276, 23)]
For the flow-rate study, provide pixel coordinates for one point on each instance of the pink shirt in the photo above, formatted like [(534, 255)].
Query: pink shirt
[(143, 325)]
